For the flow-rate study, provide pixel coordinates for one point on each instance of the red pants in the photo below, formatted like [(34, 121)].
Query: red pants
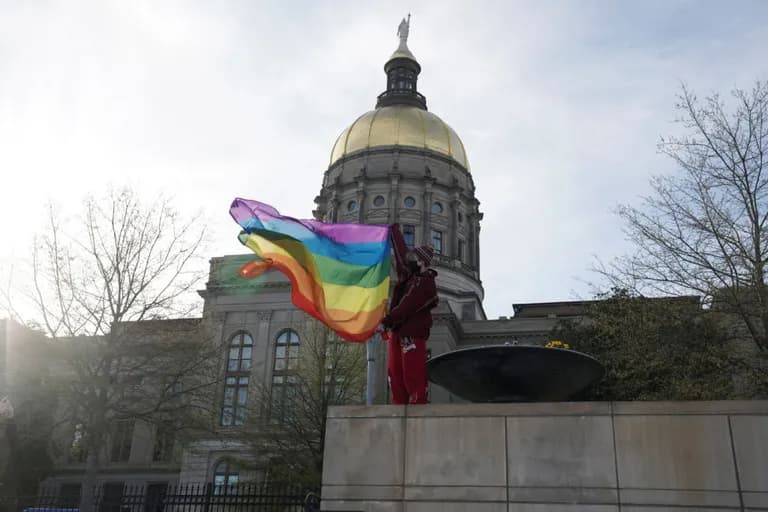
[(407, 369)]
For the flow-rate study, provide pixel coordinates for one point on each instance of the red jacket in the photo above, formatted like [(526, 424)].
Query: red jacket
[(414, 296)]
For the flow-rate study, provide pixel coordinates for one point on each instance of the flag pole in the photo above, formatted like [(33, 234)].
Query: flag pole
[(371, 372)]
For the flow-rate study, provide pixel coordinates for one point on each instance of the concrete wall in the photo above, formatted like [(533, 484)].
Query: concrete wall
[(560, 457)]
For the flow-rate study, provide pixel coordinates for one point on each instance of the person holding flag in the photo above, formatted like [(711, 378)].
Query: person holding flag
[(409, 321), (340, 275)]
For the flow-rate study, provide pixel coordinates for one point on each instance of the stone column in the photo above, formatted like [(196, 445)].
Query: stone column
[(333, 208), (477, 242), (394, 197), (321, 212), (360, 197), (261, 336), (454, 226), (471, 241), (477, 248), (426, 224)]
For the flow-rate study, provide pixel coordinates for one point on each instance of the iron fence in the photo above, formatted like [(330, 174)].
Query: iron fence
[(244, 497)]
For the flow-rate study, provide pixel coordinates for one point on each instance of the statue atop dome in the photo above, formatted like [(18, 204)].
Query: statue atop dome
[(402, 31)]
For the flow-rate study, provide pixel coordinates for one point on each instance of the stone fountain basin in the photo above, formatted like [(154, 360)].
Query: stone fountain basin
[(514, 373)]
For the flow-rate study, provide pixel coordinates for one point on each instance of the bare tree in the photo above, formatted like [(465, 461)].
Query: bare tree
[(101, 287), (287, 419), (704, 230)]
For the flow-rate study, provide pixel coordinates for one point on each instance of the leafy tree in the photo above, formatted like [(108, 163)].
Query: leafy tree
[(658, 349)]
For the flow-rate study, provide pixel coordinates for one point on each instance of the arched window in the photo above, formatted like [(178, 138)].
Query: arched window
[(236, 379), (283, 371), (225, 475), (240, 352), (391, 79), (287, 350)]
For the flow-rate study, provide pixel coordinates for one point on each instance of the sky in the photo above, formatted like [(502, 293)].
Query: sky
[(560, 105)]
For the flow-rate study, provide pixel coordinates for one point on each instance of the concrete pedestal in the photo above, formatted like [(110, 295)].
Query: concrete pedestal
[(550, 457)]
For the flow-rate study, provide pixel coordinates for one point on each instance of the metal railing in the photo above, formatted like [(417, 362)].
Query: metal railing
[(245, 497)]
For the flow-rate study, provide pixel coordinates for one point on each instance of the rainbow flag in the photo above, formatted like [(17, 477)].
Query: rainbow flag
[(339, 272)]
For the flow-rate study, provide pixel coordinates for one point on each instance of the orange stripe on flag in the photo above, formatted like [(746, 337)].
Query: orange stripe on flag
[(254, 268)]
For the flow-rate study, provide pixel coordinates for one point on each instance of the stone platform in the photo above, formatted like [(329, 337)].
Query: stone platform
[(548, 457)]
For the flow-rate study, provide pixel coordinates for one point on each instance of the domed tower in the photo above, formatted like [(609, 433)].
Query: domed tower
[(402, 163)]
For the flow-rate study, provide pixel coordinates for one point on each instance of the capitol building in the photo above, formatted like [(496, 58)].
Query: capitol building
[(398, 162)]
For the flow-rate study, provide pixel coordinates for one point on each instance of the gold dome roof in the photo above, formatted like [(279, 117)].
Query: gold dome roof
[(400, 125)]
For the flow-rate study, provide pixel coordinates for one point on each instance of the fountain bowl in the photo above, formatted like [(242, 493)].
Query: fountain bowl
[(514, 373)]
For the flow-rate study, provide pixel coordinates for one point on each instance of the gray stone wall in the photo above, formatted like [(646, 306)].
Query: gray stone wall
[(566, 457)]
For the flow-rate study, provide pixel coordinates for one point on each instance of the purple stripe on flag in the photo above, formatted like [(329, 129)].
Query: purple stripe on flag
[(242, 210)]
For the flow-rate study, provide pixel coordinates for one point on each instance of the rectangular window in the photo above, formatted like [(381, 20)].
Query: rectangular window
[(235, 399), (278, 382), (164, 439), (409, 235), (278, 405), (461, 249), (284, 375), (331, 354), (122, 439), (285, 396), (437, 241), (77, 451)]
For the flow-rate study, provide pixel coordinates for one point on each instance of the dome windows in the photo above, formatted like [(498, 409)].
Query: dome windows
[(409, 202), (460, 217), (409, 235), (379, 201), (352, 206), (437, 208), (437, 241), (401, 79)]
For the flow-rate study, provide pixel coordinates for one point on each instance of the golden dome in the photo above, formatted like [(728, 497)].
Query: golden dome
[(400, 125)]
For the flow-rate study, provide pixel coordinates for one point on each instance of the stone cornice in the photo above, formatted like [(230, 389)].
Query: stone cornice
[(221, 290), (465, 196), (390, 150)]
